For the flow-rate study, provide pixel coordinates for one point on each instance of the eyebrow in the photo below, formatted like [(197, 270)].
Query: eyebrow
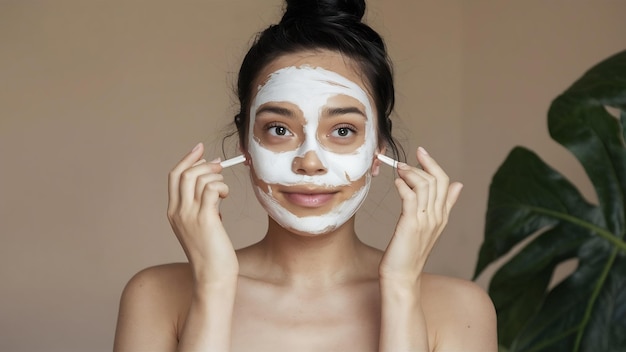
[(275, 110), (344, 111)]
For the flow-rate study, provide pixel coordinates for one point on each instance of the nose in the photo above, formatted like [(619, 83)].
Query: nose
[(309, 164)]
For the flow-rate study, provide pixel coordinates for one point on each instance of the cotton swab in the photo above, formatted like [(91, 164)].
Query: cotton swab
[(241, 158), (387, 160), (233, 161)]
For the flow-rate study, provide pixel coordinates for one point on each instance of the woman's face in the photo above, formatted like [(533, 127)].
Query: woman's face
[(312, 141)]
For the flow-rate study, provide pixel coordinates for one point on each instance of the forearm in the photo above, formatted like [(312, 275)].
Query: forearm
[(209, 320), (403, 326)]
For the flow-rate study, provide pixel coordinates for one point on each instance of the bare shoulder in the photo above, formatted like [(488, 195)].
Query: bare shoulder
[(461, 293), (461, 313), (151, 308), (166, 286), (161, 276)]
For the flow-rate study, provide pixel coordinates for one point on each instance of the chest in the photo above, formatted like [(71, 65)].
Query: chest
[(277, 319)]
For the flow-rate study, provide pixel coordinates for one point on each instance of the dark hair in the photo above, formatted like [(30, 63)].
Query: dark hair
[(333, 25)]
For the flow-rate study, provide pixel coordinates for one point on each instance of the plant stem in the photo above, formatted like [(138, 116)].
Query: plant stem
[(576, 221), (593, 298)]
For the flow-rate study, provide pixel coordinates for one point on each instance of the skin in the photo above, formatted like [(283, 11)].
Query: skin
[(293, 292), (306, 113)]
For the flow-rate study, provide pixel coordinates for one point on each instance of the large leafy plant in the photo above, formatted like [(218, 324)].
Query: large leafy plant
[(530, 202)]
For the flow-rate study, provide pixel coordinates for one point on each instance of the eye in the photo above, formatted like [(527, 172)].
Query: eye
[(276, 129), (343, 131)]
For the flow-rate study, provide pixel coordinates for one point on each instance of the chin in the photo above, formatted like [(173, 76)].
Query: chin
[(311, 232)]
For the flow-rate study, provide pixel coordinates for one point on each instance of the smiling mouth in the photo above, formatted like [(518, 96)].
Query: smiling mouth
[(309, 198), (309, 189)]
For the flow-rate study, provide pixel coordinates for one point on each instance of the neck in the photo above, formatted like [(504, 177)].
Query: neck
[(313, 260)]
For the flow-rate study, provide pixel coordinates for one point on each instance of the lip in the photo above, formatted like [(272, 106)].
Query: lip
[(308, 200), (309, 197), (308, 189)]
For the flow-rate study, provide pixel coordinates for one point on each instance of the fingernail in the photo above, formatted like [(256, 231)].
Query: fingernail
[(422, 150), (196, 147), (216, 160)]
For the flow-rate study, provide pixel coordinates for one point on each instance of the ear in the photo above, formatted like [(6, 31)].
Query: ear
[(376, 162)]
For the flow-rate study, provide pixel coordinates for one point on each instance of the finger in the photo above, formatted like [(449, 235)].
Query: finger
[(174, 175), (408, 197), (201, 161), (202, 181), (453, 194), (211, 194), (442, 179), (189, 179), (421, 183)]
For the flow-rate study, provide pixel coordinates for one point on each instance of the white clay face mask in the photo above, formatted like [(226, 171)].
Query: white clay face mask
[(307, 92)]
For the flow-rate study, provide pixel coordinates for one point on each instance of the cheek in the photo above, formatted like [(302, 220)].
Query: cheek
[(349, 167), (352, 166), (271, 167)]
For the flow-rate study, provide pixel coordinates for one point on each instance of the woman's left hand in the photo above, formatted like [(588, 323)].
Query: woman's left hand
[(427, 198)]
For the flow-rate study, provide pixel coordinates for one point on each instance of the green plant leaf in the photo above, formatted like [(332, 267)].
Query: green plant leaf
[(579, 121), (606, 330), (525, 196), (587, 310), (556, 324), (518, 288)]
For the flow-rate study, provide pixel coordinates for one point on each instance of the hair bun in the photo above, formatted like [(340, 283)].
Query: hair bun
[(297, 9)]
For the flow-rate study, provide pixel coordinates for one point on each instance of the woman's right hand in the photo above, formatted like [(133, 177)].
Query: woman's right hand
[(195, 189)]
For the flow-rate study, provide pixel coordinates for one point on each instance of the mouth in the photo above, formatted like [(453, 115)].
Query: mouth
[(309, 197)]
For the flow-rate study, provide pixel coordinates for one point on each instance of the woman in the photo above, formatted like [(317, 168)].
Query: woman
[(316, 93)]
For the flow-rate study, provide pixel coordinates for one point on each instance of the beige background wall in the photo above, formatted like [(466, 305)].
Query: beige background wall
[(98, 100)]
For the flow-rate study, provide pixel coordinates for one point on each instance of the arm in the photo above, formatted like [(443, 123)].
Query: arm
[(427, 198), (208, 324), (195, 189), (403, 324)]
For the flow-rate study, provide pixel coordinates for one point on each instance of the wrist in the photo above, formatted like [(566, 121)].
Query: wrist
[(403, 325), (209, 284), (214, 296), (400, 289), (203, 277), (215, 284), (399, 280)]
